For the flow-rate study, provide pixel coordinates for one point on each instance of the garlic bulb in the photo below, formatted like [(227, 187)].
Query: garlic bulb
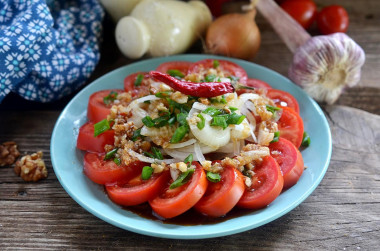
[(325, 65)]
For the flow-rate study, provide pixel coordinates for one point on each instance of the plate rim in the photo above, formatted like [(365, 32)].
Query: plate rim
[(189, 57)]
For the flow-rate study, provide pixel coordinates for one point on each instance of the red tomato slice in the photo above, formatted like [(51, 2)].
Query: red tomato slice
[(290, 126), (173, 202), (86, 140), (137, 91), (256, 83), (182, 66), (106, 171), (97, 110), (222, 196), (137, 190), (266, 185), (230, 69), (282, 98), (289, 159)]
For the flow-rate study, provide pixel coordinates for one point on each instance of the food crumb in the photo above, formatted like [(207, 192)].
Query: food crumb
[(8, 153), (31, 167)]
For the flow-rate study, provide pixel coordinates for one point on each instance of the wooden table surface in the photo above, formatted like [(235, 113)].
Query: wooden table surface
[(343, 213)]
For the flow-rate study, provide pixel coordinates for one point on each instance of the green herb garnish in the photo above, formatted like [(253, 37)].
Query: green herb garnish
[(188, 160), (148, 121), (219, 121), (163, 94), (182, 179), (146, 173), (272, 109), (110, 98), (101, 127), (215, 63), (235, 119), (276, 137), (213, 177), (201, 124), (175, 73), (305, 140), (117, 161), (111, 154), (136, 135), (156, 154), (139, 79), (212, 111), (211, 78), (179, 134)]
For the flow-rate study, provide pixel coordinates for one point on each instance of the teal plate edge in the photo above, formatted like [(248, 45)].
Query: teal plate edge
[(67, 160)]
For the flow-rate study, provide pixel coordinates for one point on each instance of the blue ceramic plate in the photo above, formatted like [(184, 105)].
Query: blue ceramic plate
[(67, 160)]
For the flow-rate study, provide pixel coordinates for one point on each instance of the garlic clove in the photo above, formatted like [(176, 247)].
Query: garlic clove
[(325, 65)]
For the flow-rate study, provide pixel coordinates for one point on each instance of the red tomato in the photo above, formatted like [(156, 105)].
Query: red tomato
[(290, 126), (282, 98), (332, 19), (97, 110), (173, 202), (86, 140), (106, 171), (222, 196), (266, 185), (137, 91), (289, 159), (256, 83), (137, 190), (182, 66), (230, 69), (303, 11)]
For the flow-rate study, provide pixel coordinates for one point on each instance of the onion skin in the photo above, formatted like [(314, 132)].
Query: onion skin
[(234, 35)]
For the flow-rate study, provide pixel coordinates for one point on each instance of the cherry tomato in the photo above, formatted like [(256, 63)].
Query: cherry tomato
[(289, 159), (140, 88), (137, 190), (181, 66), (303, 11), (255, 83), (222, 196), (282, 98), (332, 19), (97, 110), (290, 126), (229, 68), (266, 185), (173, 202), (106, 171), (86, 140)]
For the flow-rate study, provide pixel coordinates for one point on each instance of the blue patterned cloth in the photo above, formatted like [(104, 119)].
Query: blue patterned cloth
[(48, 48)]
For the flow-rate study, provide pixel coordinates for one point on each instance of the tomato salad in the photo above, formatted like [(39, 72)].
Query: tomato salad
[(193, 135)]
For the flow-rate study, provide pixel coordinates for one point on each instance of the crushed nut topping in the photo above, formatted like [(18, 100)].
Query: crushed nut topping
[(31, 167), (8, 153)]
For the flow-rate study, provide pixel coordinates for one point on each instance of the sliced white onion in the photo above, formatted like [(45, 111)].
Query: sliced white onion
[(199, 106), (146, 98), (251, 106), (198, 153), (178, 154), (150, 160), (243, 98), (174, 173), (183, 144), (236, 145)]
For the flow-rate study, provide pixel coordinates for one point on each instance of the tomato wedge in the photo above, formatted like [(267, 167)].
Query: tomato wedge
[(97, 110), (282, 98), (140, 88), (137, 190), (86, 140), (173, 202), (222, 196), (229, 68), (266, 185), (290, 126), (106, 171), (181, 66), (289, 159)]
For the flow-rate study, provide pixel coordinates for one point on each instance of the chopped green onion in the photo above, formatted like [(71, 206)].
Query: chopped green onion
[(189, 160), (146, 173), (139, 79), (235, 119), (163, 94), (305, 139), (101, 127), (175, 73), (111, 154), (157, 153), (201, 124), (213, 177), (215, 63), (233, 109), (148, 121), (276, 137), (247, 173), (211, 78), (150, 155), (179, 134), (181, 118), (172, 119), (219, 100), (147, 102), (182, 179), (212, 111), (272, 109), (219, 121), (117, 161), (110, 98), (160, 121), (136, 135)]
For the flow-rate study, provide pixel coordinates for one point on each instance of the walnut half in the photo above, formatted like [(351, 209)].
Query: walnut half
[(31, 167), (8, 153)]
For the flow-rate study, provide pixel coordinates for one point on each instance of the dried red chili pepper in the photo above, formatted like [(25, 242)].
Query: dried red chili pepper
[(204, 89)]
